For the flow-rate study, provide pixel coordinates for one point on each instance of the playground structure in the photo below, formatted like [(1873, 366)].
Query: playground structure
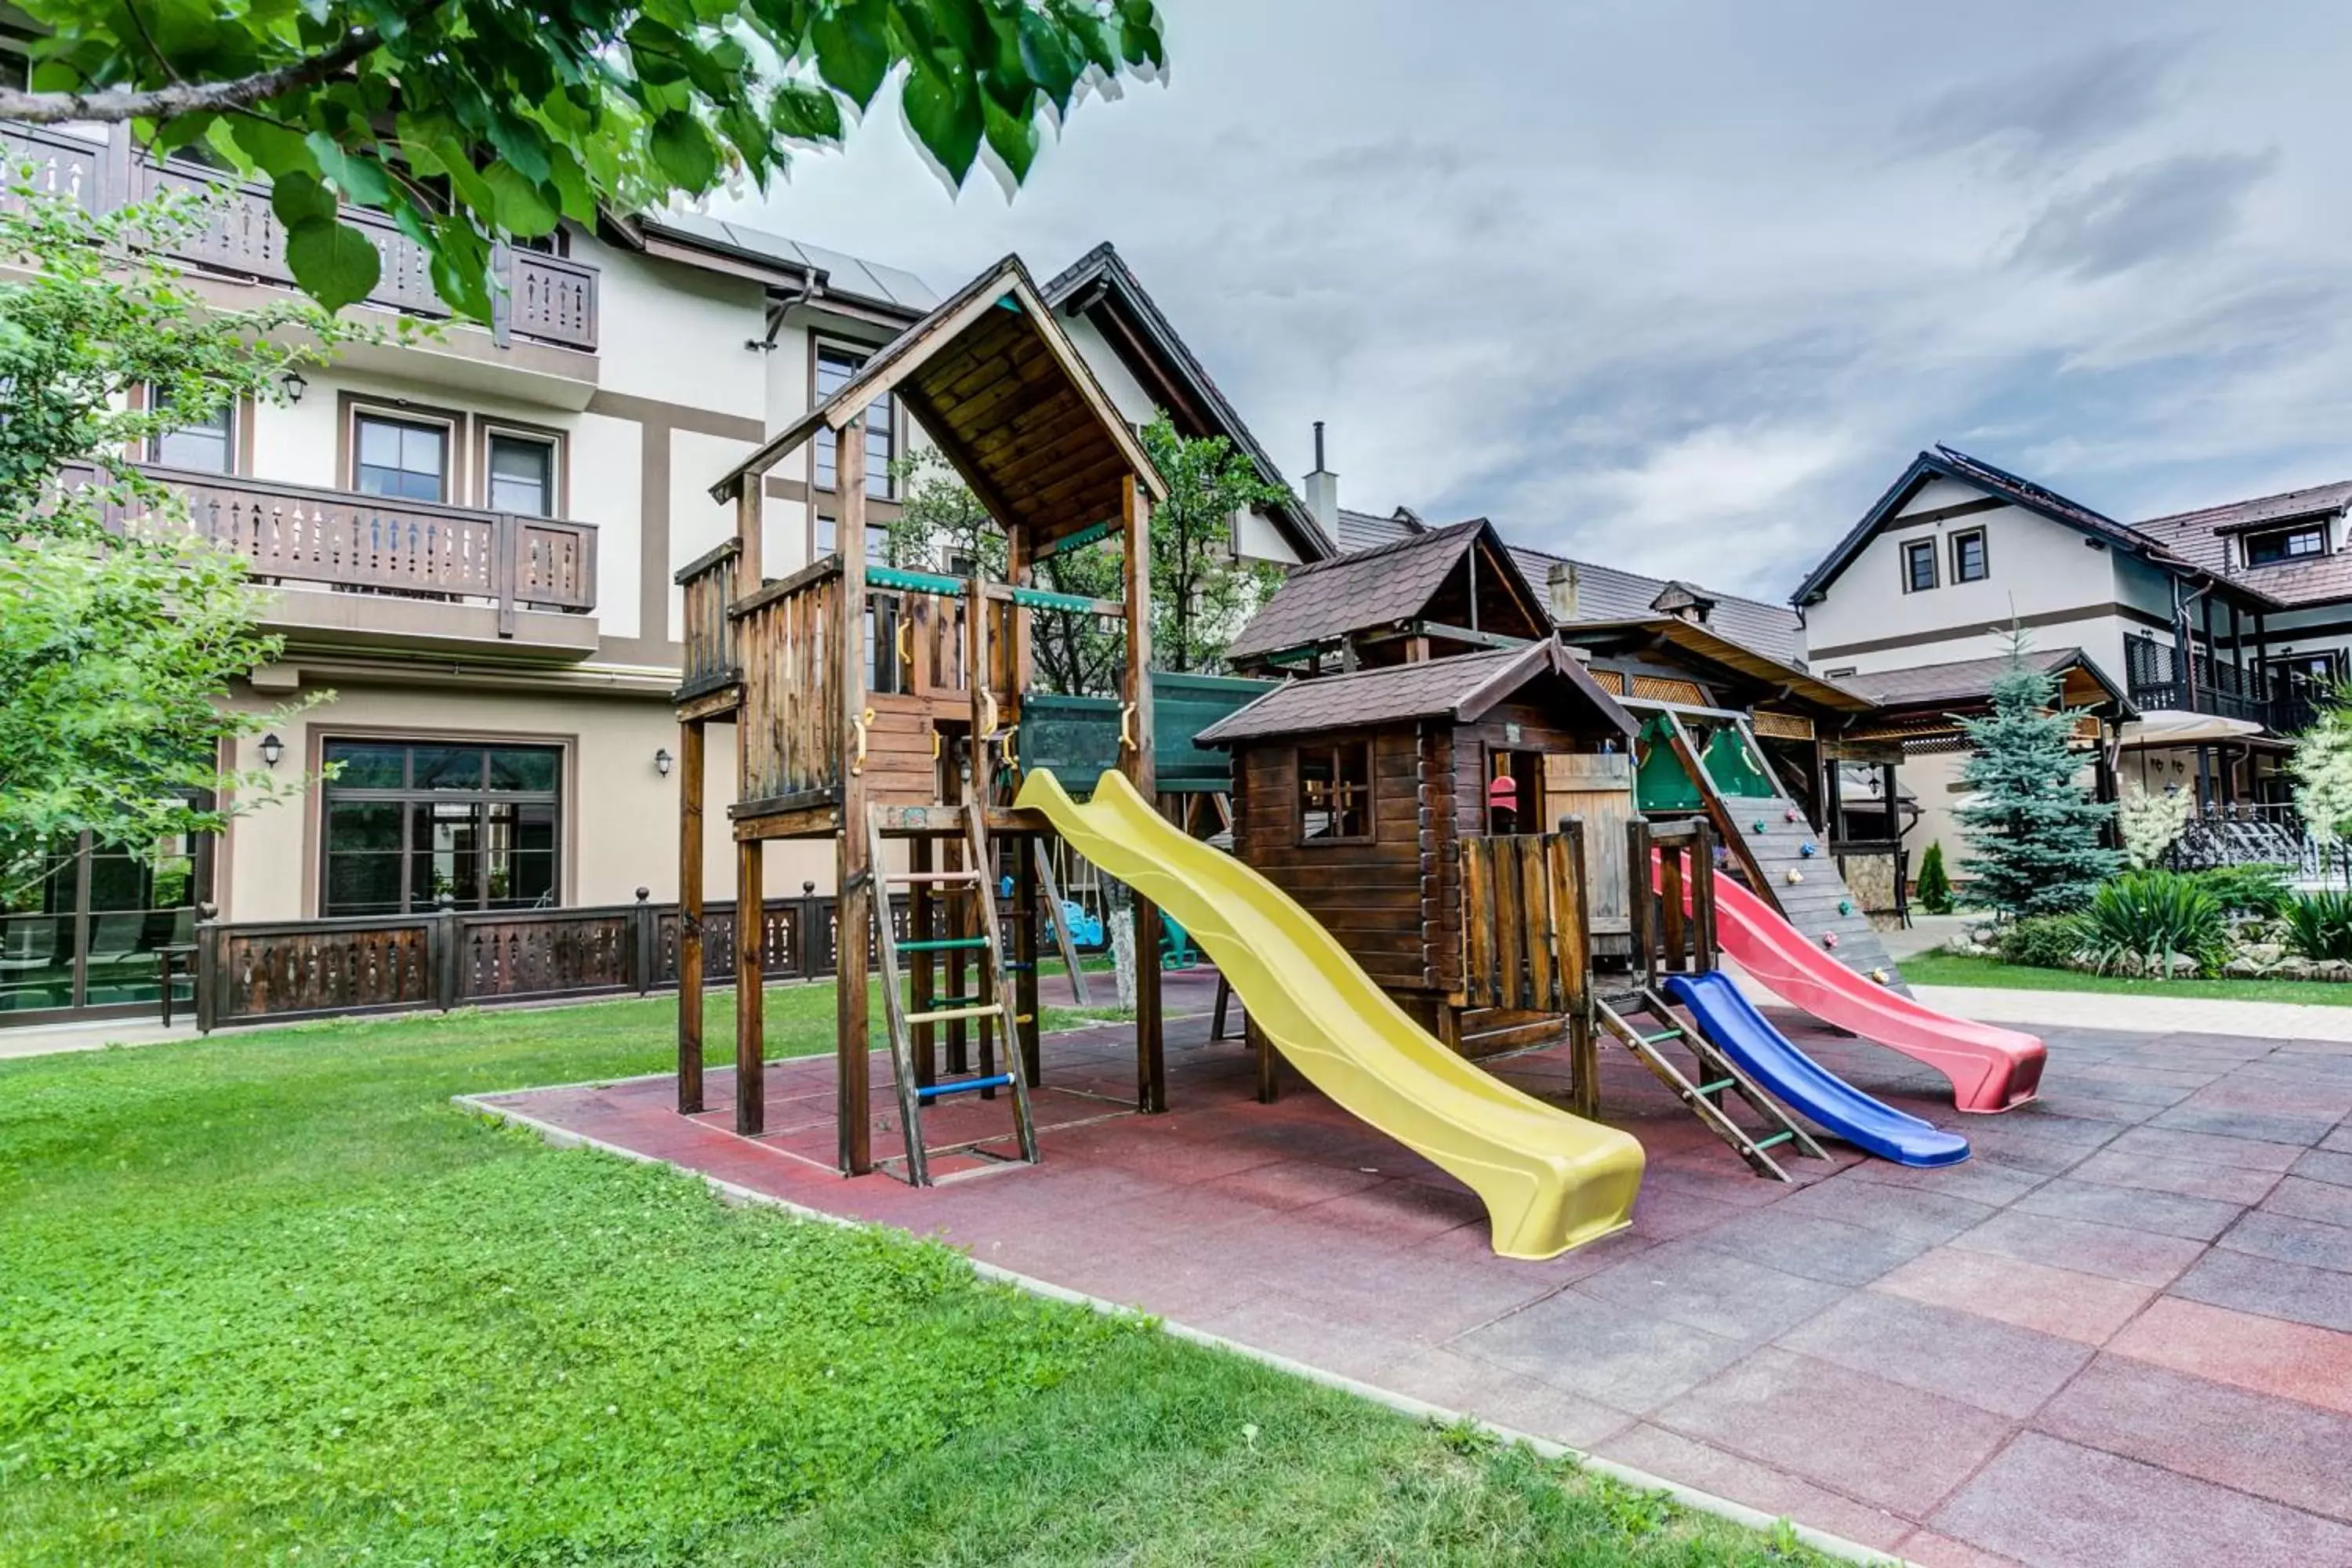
[(1396, 905)]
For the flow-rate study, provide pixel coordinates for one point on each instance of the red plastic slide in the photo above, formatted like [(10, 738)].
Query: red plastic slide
[(1990, 1068)]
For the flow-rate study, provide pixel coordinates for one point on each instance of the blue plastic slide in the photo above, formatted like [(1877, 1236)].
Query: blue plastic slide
[(1736, 1029)]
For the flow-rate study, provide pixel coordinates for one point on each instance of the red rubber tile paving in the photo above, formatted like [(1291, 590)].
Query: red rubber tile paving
[(2081, 1307), (2265, 1355), (2051, 1504), (1934, 1326), (2275, 1448)]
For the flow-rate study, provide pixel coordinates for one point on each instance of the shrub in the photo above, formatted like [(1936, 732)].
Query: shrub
[(2146, 915), (2042, 942), (1934, 888), (2248, 889), (2321, 925)]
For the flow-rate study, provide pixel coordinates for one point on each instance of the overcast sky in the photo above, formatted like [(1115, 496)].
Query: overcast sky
[(1683, 286)]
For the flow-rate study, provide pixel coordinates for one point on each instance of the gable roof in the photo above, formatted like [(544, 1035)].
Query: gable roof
[(1463, 689), (1364, 530), (1790, 679), (1966, 680), (1612, 593), (2208, 537), (1376, 587), (1100, 284), (1949, 463), (1005, 398)]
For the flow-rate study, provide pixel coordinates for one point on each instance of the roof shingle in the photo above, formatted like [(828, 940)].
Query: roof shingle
[(1461, 688), (1328, 599), (2207, 538)]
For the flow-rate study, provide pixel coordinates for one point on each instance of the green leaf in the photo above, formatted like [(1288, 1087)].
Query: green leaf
[(1046, 58), (1013, 137), (682, 148), (335, 263), (944, 115), (298, 198), (521, 143), (276, 149), (853, 51), (359, 178), (519, 206), (805, 113)]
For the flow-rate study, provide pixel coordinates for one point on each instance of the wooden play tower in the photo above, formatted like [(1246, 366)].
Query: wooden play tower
[(872, 705)]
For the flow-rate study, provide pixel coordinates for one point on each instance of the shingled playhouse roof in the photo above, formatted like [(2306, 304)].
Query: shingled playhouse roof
[(1463, 689), (1376, 587)]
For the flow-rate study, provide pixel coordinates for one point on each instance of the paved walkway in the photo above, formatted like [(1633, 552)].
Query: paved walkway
[(2121, 1334)]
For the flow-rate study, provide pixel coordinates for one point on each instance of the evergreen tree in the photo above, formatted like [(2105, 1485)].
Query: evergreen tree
[(1934, 887), (2033, 831)]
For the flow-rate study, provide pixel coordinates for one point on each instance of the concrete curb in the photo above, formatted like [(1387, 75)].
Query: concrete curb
[(1698, 1501)]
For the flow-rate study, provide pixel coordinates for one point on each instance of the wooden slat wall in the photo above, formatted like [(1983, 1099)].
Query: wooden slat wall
[(1521, 918), (1597, 788), (791, 684)]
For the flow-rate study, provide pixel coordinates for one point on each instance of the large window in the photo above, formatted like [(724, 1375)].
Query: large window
[(2287, 544), (409, 823), (405, 459), (1918, 565), (85, 932), (834, 369), (1969, 562), (206, 446), (1335, 792), (521, 474)]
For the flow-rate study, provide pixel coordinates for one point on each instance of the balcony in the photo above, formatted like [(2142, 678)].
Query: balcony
[(2158, 677), (546, 300), (368, 572)]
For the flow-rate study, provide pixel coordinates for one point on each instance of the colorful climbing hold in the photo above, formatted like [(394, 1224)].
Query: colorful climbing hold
[(1845, 906), (1760, 825), (1881, 976), (1790, 815), (1829, 939), (1795, 875), (1809, 850)]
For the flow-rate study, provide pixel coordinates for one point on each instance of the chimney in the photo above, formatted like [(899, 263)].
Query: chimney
[(1323, 490), (1561, 582)]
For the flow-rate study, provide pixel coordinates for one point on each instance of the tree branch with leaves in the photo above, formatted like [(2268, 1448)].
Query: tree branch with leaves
[(472, 123)]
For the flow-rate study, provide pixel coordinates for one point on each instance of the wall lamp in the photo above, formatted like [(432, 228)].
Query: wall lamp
[(272, 749), (663, 761), (296, 384)]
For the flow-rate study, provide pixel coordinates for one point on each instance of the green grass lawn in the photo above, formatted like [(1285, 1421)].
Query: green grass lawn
[(1961, 968), (270, 1297)]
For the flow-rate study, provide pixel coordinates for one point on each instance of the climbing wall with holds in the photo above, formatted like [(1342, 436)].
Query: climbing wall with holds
[(1805, 881)]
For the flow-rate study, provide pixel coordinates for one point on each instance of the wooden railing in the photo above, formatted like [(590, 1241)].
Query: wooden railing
[(547, 299), (709, 657), (247, 972), (294, 533), (788, 635), (1525, 936)]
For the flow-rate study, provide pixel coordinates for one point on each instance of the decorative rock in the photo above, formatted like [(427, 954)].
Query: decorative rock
[(2180, 966), (2292, 968), (2331, 968), (2263, 955), (2241, 967)]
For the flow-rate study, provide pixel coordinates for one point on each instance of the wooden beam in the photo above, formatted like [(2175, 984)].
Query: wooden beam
[(852, 861), (689, 917), (748, 518), (1135, 577)]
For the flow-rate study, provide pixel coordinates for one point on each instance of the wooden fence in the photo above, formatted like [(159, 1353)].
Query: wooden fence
[(1525, 933), (251, 970), (788, 634)]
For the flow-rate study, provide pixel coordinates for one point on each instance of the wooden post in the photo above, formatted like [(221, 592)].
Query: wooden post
[(1269, 1083), (1574, 914), (749, 535), (987, 719), (922, 903), (689, 917), (1640, 901), (1135, 580), (751, 1000), (1026, 948), (1670, 902), (854, 872)]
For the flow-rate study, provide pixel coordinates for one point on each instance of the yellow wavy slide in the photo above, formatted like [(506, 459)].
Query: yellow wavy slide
[(1550, 1181)]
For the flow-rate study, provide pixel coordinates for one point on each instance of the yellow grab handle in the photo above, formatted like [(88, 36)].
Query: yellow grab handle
[(906, 642), (935, 743), (1013, 750), (1127, 727), (988, 713), (858, 724)]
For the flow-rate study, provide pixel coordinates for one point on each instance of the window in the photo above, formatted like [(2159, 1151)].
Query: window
[(408, 823), (1335, 792), (877, 539), (401, 458), (522, 475), (207, 445), (1918, 565), (2287, 544), (834, 367), (1967, 556), (2323, 670)]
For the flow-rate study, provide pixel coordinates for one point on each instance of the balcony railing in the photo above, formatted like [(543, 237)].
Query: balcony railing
[(2158, 675), (357, 543), (544, 299)]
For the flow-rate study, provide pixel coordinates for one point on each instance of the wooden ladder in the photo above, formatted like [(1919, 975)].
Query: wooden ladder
[(1718, 1077), (994, 1000)]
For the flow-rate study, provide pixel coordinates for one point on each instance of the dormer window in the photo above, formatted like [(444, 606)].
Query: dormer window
[(2284, 544)]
